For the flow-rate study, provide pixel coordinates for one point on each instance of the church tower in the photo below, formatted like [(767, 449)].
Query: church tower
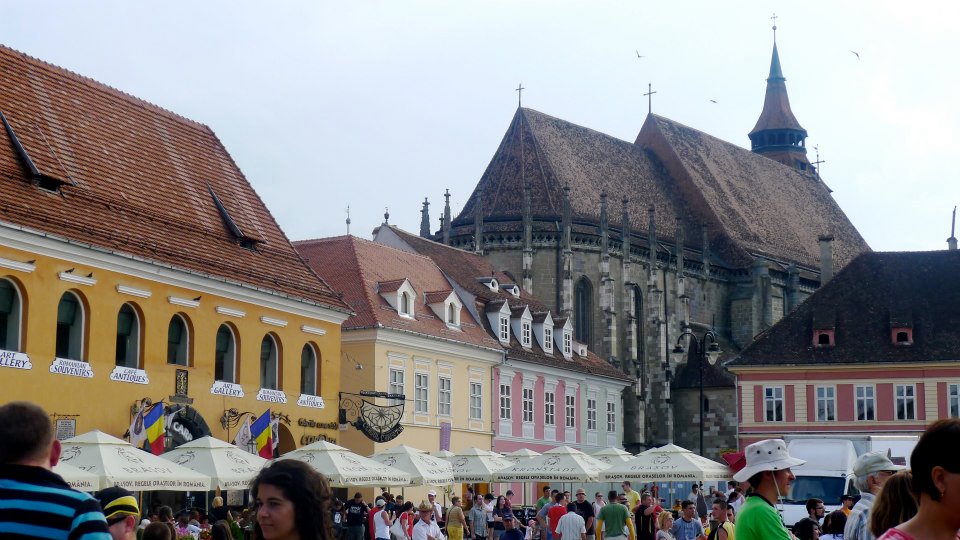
[(777, 134)]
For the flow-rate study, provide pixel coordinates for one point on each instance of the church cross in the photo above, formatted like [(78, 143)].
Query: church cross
[(816, 164), (519, 90), (649, 94), (774, 19)]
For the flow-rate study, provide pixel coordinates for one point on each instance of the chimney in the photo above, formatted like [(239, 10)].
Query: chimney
[(826, 258)]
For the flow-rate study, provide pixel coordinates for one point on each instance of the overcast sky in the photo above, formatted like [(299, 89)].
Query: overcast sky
[(379, 104)]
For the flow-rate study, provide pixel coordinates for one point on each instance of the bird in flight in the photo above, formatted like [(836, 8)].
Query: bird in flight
[(638, 54), (856, 54), (713, 101)]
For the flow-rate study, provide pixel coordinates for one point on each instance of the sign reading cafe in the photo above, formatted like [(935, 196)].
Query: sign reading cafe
[(129, 375)]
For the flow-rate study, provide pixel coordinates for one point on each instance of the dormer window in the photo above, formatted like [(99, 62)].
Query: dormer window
[(548, 340), (401, 296), (522, 325), (452, 315), (543, 329), (525, 334), (498, 315), (511, 288), (405, 304), (901, 336), (823, 338), (567, 343), (446, 306), (491, 283), (504, 329)]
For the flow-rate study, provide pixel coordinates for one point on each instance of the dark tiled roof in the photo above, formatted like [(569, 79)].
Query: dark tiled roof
[(140, 181), (866, 298), (776, 112), (464, 268), (357, 266), (751, 205)]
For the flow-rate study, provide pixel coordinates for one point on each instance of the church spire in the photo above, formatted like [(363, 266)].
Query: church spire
[(778, 135)]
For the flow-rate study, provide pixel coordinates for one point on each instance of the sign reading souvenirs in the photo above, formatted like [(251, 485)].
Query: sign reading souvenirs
[(130, 375), (272, 396), (16, 360), (74, 368), (306, 400), (223, 388), (380, 423)]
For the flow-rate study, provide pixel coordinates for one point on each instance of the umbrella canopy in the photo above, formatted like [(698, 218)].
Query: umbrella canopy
[(118, 463), (520, 455), (477, 465), (421, 466), (443, 454), (228, 466), (78, 479), (345, 469), (669, 463), (561, 464), (612, 456)]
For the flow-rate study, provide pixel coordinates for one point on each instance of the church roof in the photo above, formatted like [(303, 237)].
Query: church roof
[(776, 112), (136, 180), (464, 269), (751, 204), (871, 296), (361, 269)]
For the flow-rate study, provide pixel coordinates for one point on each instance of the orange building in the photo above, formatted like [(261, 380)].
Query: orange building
[(138, 264)]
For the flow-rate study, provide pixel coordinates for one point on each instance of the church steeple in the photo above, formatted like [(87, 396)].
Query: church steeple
[(778, 135)]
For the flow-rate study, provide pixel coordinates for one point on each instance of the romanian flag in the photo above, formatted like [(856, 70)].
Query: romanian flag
[(153, 424), (263, 434)]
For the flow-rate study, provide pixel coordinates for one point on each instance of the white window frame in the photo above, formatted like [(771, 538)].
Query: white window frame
[(444, 395), (864, 402), (549, 408), (452, 310), (476, 400), (591, 414), (567, 343), (611, 417), (421, 392), (548, 340), (770, 403), (505, 402), (570, 411), (905, 400), (953, 400), (527, 405), (397, 382), (526, 334), (826, 397), (504, 328)]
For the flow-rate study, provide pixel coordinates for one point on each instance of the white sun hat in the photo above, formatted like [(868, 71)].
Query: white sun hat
[(768, 455)]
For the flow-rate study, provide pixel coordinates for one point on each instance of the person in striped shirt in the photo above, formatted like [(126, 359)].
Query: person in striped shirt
[(34, 501)]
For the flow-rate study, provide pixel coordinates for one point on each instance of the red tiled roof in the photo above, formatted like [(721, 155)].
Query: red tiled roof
[(434, 297), (356, 266), (139, 182)]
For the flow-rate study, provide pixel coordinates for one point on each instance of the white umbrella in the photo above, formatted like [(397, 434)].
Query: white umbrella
[(520, 455), (443, 454), (228, 466), (118, 463), (78, 479), (476, 465), (561, 464), (612, 456), (345, 469), (669, 463), (422, 467)]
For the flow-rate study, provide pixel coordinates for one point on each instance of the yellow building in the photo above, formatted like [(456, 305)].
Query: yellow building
[(410, 335), (137, 263)]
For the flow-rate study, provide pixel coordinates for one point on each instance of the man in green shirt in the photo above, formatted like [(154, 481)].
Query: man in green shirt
[(545, 499), (768, 472), (612, 519)]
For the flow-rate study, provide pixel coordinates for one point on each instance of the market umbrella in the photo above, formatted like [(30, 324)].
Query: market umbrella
[(443, 454), (423, 468), (228, 466), (612, 456), (78, 479), (561, 464), (118, 463), (669, 463), (343, 468), (477, 465), (520, 455)]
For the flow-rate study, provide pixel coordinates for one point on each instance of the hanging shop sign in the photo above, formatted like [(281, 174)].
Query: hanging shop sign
[(16, 360), (380, 423), (66, 428), (306, 400), (129, 375), (223, 388), (271, 396), (74, 368)]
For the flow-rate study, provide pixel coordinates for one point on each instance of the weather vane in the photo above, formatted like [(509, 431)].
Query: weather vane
[(774, 19)]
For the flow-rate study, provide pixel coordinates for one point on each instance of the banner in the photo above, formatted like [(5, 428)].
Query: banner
[(154, 425), (138, 432), (244, 438), (262, 433)]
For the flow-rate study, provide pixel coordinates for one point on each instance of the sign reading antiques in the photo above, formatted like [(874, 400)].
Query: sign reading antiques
[(306, 400), (129, 375), (380, 423)]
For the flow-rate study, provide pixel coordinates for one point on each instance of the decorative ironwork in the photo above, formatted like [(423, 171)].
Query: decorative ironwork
[(380, 423), (181, 386)]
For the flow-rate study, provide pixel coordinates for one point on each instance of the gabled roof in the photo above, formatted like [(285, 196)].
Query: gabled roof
[(137, 182), (463, 268), (865, 298), (356, 267)]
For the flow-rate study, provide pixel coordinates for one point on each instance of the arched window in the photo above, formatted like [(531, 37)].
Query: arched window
[(178, 341), (10, 314), (128, 337), (583, 311), (269, 356), (225, 356), (638, 317), (70, 321), (308, 370), (404, 303), (452, 314)]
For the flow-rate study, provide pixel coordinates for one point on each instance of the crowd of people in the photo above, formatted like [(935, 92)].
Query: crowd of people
[(291, 501)]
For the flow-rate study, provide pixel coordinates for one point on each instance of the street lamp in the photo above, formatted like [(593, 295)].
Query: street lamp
[(705, 348)]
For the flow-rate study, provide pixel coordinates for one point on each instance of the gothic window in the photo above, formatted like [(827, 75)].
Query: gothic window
[(583, 311), (638, 323), (225, 355), (178, 341), (269, 363), (70, 327), (10, 313), (128, 337), (308, 370)]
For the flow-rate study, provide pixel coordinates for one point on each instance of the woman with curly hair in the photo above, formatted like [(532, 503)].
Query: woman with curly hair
[(894, 505), (291, 502)]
